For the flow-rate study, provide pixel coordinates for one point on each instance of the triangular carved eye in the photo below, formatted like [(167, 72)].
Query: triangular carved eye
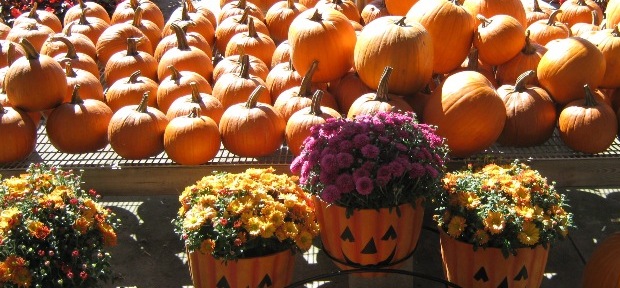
[(347, 235), (481, 275), (389, 234), (223, 283), (522, 274), (266, 282)]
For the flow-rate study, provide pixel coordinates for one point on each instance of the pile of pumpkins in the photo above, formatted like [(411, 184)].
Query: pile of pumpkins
[(253, 75)]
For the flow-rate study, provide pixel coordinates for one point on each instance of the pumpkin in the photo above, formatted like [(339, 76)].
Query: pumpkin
[(576, 11), (254, 123), (418, 101), (235, 88), (527, 59), (498, 39), (125, 11), (299, 124), (579, 29), (232, 64), (398, 42), (282, 54), (123, 64), (399, 7), (612, 13), (530, 113), (467, 111), (569, 64), (279, 17), (200, 23), (608, 42), (239, 7), (192, 140), (253, 43), (308, 3), (347, 89), (150, 29), (588, 126), (199, 8), (490, 8), (346, 7), (328, 29), (78, 60), (15, 122), (92, 9), (534, 13), (137, 131), (193, 39), (380, 101), (90, 27), (81, 43), (34, 116), (184, 57), (42, 17), (472, 63), (4, 30), (90, 85), (79, 126), (176, 85), (35, 68), (601, 270), (206, 104), (129, 90), (451, 42), (281, 78), (9, 52), (34, 32), (543, 31), (373, 10), (114, 39), (298, 97), (233, 25)]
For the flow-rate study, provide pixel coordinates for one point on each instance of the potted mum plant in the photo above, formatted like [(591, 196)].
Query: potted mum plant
[(53, 233), (370, 176), (241, 229), (499, 221)]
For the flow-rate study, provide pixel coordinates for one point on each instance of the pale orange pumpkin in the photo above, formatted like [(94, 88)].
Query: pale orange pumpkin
[(279, 17), (498, 38), (17, 123), (184, 57), (232, 64), (380, 101), (206, 104), (543, 31), (42, 17), (129, 90), (233, 88), (200, 23), (534, 12), (177, 85), (373, 10), (193, 139), (92, 9), (612, 13), (125, 11), (253, 43), (252, 122), (282, 54), (122, 64)]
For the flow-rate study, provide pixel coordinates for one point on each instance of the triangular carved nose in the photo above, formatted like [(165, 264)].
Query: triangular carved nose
[(370, 248)]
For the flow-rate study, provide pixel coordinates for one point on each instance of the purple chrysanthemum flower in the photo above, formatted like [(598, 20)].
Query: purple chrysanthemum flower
[(305, 172), (360, 140), (345, 146), (370, 151), (327, 177), (329, 163), (359, 173), (432, 171), (417, 170), (330, 194), (363, 185), (397, 168), (384, 171), (345, 183), (344, 159), (382, 181)]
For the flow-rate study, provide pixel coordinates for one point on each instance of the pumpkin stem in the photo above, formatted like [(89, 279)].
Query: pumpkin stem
[(290, 4), (581, 3), (31, 52), (83, 20), (137, 17), (241, 4), (195, 93), (33, 11), (590, 101), (316, 16), (484, 20), (615, 32), (594, 18), (133, 78), (174, 74), (184, 12), (244, 16), (552, 16), (472, 59), (143, 103), (132, 45), (69, 26), (382, 91), (252, 29), (193, 113), (306, 82), (134, 4), (537, 7), (185, 24), (523, 79), (71, 53), (217, 56), (401, 22), (2, 110), (181, 37), (10, 53), (528, 48), (190, 6), (81, 4), (290, 65), (245, 66), (75, 95), (69, 72), (315, 107), (253, 99), (456, 2)]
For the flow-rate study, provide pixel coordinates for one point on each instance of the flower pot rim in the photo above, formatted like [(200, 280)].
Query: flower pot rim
[(289, 249), (419, 200), (445, 234)]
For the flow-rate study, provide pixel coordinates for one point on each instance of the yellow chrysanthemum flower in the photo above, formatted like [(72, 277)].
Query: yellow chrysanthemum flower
[(207, 246), (494, 222), (526, 212), (482, 237), (456, 226), (529, 234), (304, 240)]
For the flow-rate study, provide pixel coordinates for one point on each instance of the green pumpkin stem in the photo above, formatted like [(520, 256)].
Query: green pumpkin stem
[(137, 17), (195, 93), (133, 78), (69, 72), (31, 52), (552, 16), (245, 66), (317, 17), (143, 103), (401, 22), (253, 99), (305, 89), (83, 20), (590, 101), (181, 37), (528, 48), (174, 74), (71, 52), (485, 21), (523, 79), (132, 46), (75, 95), (382, 91), (315, 107)]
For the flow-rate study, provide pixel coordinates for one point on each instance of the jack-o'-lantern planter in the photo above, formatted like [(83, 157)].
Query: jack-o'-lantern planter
[(241, 230), (497, 224), (370, 177)]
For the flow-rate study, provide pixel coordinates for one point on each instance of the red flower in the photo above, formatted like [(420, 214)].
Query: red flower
[(83, 275)]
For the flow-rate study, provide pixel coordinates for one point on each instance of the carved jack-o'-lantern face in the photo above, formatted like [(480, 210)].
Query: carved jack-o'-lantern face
[(482, 277), (370, 247)]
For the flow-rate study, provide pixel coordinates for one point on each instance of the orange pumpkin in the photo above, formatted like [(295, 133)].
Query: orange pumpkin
[(92, 9), (282, 54), (608, 41), (569, 64), (530, 113), (399, 7), (184, 57), (398, 42), (77, 59), (451, 42), (253, 43), (18, 124), (498, 39), (380, 101), (602, 267), (239, 7), (81, 43), (588, 126), (534, 13), (233, 25), (90, 85), (79, 126), (472, 63), (177, 85), (91, 27), (373, 10), (192, 140), (9, 52), (328, 29), (137, 131), (527, 59), (125, 11), (129, 90), (281, 78), (490, 8), (235, 88), (114, 39), (468, 113), (255, 123), (279, 17), (34, 32), (575, 11), (200, 23), (346, 7), (123, 64), (42, 17), (580, 29), (149, 28), (347, 89), (543, 31), (232, 64), (206, 104), (193, 39)]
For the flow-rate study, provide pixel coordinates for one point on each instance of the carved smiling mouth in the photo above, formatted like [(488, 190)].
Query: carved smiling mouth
[(381, 264)]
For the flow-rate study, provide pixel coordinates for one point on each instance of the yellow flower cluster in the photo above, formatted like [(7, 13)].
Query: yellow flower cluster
[(14, 270), (254, 204), (499, 202)]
